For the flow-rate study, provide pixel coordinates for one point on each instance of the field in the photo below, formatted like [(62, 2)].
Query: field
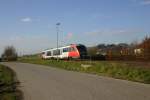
[(8, 84), (133, 71)]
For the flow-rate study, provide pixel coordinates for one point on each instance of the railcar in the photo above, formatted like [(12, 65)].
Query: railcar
[(73, 51)]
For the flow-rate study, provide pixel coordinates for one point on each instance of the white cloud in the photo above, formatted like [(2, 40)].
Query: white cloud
[(26, 19), (145, 2), (111, 32), (93, 33), (142, 2), (27, 44), (100, 16)]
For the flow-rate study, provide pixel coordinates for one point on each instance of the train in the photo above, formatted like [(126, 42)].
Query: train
[(72, 51)]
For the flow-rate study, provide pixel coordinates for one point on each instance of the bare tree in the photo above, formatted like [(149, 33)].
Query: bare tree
[(9, 54), (146, 46)]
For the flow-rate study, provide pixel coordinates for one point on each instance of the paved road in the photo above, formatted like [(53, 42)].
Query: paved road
[(46, 83)]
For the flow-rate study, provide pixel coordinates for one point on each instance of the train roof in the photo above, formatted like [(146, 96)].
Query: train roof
[(62, 47)]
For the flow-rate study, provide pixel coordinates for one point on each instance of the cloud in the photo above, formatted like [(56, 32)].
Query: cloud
[(27, 44), (145, 2), (106, 32), (94, 33), (100, 16), (110, 32), (26, 19), (142, 2)]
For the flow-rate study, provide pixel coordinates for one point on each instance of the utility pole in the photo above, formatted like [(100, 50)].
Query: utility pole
[(57, 30)]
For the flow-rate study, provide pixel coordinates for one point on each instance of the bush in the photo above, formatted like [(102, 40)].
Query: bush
[(8, 84), (9, 54)]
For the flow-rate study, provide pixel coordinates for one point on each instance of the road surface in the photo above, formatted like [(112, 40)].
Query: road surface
[(46, 83)]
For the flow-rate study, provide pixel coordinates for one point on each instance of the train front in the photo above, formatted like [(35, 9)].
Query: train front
[(82, 51)]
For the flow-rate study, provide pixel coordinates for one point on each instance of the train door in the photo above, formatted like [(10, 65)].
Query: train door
[(65, 52)]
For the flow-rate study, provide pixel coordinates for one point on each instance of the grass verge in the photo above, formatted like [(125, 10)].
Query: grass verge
[(8, 84), (120, 70)]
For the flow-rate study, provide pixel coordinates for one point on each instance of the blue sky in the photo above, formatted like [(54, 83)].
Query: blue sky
[(30, 25)]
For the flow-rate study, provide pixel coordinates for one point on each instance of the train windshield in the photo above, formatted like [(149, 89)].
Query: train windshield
[(82, 49)]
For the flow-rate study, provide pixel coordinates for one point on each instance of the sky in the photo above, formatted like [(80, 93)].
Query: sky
[(30, 25)]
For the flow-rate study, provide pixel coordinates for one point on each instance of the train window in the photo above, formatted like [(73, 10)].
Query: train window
[(56, 52), (43, 53), (72, 49), (49, 53), (69, 49), (81, 48), (66, 49)]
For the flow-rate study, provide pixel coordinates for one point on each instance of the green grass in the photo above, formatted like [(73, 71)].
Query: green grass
[(7, 84), (120, 70)]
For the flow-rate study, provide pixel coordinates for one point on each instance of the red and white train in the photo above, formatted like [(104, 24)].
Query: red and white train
[(67, 52)]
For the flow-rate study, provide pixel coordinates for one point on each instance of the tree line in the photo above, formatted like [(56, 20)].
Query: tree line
[(122, 51)]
